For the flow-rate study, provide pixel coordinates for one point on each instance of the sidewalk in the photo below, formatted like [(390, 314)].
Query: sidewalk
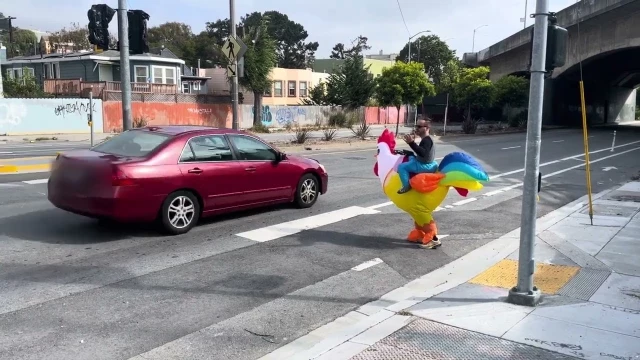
[(589, 276)]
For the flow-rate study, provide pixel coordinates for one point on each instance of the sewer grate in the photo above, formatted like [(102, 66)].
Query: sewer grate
[(423, 339), (585, 284)]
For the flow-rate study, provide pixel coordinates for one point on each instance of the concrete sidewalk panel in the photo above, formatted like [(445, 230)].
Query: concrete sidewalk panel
[(595, 316), (619, 291), (573, 339)]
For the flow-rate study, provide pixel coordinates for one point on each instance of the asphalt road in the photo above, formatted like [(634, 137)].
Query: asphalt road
[(73, 289)]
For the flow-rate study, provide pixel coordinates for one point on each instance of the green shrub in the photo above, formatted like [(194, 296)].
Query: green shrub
[(338, 120)]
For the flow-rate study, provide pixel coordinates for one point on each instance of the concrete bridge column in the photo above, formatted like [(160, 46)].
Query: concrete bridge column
[(621, 105)]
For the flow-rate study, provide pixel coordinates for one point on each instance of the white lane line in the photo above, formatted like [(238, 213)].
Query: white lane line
[(465, 201), (495, 192), (374, 207), (367, 264), (35, 182), (6, 152), (511, 147), (558, 141), (293, 227)]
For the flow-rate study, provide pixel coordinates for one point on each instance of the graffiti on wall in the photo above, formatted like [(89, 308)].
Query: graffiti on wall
[(200, 110), (265, 114), (78, 107), (284, 115), (48, 116)]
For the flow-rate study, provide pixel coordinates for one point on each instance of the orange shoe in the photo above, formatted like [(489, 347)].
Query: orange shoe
[(415, 235)]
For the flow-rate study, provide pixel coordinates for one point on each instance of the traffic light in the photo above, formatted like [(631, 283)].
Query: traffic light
[(138, 43), (99, 18), (557, 40)]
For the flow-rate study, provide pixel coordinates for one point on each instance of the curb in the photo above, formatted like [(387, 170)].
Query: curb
[(352, 333)]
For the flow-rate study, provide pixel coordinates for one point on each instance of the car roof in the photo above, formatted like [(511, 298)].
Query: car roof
[(189, 129)]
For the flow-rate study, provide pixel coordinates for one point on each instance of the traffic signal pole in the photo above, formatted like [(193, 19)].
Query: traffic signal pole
[(125, 68), (524, 293)]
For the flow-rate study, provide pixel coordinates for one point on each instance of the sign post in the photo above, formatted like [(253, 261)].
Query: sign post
[(90, 116), (233, 49)]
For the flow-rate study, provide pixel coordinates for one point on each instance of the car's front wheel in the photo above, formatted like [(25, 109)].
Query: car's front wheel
[(180, 212), (307, 191)]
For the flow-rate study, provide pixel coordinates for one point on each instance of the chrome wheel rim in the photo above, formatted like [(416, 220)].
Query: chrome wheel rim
[(181, 212), (308, 191)]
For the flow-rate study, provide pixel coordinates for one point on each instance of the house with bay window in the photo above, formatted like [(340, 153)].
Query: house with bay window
[(74, 74)]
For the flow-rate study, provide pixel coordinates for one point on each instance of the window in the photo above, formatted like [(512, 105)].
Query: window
[(292, 89), (52, 70), (197, 86), (142, 74), (277, 87), (303, 89), (252, 149), (15, 73), (268, 92), (135, 143), (186, 89), (164, 75), (207, 148)]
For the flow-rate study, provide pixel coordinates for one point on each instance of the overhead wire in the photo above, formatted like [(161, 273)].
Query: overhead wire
[(403, 20)]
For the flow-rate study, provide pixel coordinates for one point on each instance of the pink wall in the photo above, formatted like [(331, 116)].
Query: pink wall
[(378, 115)]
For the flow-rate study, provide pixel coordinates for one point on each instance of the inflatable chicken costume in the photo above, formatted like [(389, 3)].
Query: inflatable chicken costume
[(457, 170)]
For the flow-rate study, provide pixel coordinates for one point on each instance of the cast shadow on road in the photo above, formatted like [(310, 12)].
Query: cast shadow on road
[(55, 226)]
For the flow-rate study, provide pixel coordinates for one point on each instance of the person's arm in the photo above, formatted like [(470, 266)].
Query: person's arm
[(423, 149)]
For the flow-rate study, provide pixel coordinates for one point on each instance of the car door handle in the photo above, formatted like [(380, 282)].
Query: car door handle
[(251, 168), (195, 171)]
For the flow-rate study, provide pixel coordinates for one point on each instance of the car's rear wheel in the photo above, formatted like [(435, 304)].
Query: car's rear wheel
[(180, 212), (307, 191)]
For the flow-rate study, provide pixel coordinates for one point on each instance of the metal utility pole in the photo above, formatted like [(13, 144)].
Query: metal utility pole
[(525, 293), (234, 79), (1, 87), (125, 68), (91, 114)]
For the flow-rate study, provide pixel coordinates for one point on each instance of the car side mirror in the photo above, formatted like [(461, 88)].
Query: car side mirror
[(280, 156)]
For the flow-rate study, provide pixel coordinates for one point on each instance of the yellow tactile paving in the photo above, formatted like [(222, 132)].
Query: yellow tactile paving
[(548, 278)]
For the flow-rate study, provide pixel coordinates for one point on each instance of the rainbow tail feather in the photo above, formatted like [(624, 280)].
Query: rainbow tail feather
[(462, 172)]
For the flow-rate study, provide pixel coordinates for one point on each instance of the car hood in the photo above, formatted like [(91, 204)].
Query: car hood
[(303, 160)]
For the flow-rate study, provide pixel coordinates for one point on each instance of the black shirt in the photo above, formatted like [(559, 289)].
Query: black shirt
[(425, 152)]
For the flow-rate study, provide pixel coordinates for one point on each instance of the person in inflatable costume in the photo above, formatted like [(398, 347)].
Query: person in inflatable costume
[(457, 170)]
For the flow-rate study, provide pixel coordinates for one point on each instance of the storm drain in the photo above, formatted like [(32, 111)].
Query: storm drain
[(423, 339), (585, 284)]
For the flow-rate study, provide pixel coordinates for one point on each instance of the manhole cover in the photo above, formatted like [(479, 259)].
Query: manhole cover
[(355, 158)]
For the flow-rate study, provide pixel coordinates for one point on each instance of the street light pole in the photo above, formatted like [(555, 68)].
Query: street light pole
[(411, 37), (125, 66), (473, 46), (525, 293), (526, 4)]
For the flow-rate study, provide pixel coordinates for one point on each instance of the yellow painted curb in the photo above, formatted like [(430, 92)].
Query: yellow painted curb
[(12, 160), (6, 169), (548, 278)]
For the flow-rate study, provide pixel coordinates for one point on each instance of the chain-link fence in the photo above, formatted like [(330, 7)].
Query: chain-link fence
[(170, 98)]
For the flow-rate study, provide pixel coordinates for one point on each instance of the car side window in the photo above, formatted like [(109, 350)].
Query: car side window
[(251, 149), (207, 148)]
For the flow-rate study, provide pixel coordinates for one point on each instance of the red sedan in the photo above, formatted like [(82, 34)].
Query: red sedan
[(177, 174)]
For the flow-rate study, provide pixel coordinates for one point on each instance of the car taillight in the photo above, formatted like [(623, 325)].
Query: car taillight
[(119, 178)]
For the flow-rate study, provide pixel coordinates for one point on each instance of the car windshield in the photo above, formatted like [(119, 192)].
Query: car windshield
[(134, 143)]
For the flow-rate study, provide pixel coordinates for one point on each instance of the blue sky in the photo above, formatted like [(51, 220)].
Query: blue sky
[(326, 21)]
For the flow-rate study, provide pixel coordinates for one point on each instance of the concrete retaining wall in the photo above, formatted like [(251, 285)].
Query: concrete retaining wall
[(48, 116)]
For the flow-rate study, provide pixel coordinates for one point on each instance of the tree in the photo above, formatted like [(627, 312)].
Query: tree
[(176, 37), (358, 46), (259, 59), (450, 76), (25, 42), (403, 84), (512, 91), (75, 38), (293, 52), (474, 89), (351, 86), (317, 96), (430, 51), (23, 87)]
